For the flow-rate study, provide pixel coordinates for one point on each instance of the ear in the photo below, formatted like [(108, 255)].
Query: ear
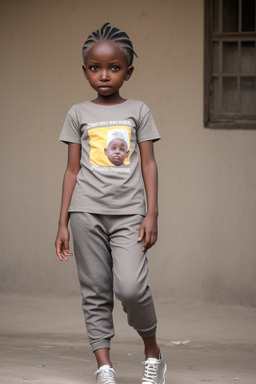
[(84, 71), (129, 72)]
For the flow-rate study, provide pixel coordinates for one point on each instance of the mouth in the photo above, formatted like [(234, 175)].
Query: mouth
[(104, 87)]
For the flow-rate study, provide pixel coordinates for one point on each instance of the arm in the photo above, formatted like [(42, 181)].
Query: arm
[(148, 229), (69, 182)]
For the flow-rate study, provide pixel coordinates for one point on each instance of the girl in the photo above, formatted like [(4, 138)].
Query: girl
[(112, 229)]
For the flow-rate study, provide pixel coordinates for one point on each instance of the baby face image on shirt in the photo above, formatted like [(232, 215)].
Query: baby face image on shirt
[(117, 151)]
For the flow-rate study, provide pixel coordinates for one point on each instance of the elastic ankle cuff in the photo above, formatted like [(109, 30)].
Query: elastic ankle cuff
[(100, 344), (147, 334)]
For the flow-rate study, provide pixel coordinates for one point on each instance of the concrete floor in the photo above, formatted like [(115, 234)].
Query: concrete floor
[(43, 341)]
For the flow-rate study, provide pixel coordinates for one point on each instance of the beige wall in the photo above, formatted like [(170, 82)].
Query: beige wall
[(207, 243)]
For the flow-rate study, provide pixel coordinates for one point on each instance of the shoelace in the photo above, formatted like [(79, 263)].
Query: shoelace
[(150, 370), (107, 376)]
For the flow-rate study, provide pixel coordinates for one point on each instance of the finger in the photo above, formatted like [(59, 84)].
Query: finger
[(64, 257), (61, 255), (66, 245), (58, 249), (152, 238), (61, 251), (146, 244), (141, 233), (66, 250)]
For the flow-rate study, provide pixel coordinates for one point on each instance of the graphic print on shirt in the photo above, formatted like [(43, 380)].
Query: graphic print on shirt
[(110, 146)]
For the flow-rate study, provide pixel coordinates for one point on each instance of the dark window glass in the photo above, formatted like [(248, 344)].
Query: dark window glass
[(230, 94), (248, 15), (248, 56), (230, 57), (230, 16), (248, 94), (216, 16)]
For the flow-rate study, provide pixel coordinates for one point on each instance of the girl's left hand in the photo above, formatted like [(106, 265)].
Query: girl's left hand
[(148, 231)]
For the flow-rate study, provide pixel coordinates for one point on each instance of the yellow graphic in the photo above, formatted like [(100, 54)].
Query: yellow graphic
[(110, 146)]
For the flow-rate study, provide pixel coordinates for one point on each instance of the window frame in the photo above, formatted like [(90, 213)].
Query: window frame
[(223, 120)]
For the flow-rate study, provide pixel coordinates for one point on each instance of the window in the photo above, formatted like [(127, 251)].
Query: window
[(230, 64)]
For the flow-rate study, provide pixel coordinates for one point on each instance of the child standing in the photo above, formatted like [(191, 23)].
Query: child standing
[(112, 226)]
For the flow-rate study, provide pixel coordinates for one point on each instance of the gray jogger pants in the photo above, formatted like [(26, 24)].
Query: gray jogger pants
[(111, 261)]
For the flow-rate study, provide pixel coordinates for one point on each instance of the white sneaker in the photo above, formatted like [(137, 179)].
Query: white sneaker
[(105, 375), (154, 371)]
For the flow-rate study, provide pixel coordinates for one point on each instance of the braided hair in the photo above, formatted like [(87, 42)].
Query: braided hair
[(106, 32)]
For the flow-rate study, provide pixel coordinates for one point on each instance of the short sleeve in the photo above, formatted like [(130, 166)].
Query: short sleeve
[(71, 130), (146, 129)]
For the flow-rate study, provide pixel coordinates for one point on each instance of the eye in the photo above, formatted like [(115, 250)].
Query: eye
[(94, 68), (115, 68)]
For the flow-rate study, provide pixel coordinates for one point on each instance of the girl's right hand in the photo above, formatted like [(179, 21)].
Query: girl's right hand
[(62, 244)]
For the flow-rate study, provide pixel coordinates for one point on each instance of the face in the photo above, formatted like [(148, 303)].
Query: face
[(106, 68), (116, 151)]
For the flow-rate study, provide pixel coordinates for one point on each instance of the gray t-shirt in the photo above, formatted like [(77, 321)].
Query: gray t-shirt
[(110, 180)]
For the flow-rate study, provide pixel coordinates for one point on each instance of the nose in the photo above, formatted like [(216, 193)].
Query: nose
[(104, 75)]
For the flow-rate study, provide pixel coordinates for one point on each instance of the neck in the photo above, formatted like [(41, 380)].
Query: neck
[(108, 100)]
